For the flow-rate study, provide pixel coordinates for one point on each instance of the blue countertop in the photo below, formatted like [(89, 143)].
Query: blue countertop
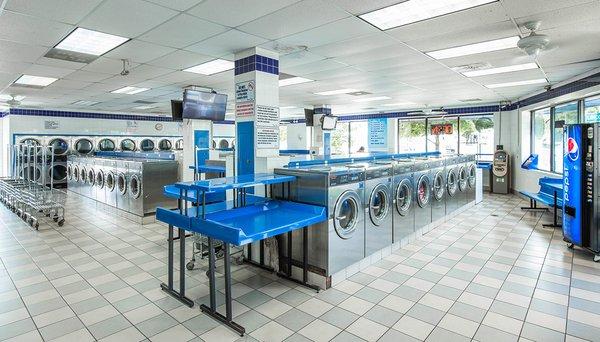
[(208, 168), (237, 182)]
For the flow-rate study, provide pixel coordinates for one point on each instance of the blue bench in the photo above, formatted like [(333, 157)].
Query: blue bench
[(550, 194)]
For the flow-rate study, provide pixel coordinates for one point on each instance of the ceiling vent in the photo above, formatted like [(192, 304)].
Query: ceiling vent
[(472, 67), (359, 93), (289, 49), (144, 102), (70, 56)]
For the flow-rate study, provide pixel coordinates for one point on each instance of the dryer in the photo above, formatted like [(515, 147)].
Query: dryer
[(61, 146), (438, 188), (338, 242), (179, 145), (128, 145), (91, 177), (471, 165), (74, 183), (404, 199), (134, 188), (378, 206), (107, 144), (83, 145), (452, 192), (147, 145), (422, 181), (122, 199), (110, 182)]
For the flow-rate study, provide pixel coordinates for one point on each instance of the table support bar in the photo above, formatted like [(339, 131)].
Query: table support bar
[(168, 288)]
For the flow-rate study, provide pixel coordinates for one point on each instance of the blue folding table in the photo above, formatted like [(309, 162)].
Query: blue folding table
[(244, 220)]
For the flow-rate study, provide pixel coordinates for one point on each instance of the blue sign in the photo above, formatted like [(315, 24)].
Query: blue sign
[(572, 196), (378, 134), (327, 144)]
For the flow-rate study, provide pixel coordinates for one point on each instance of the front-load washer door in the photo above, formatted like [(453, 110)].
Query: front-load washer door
[(346, 214), (471, 176), (147, 145), (451, 183), (106, 144), (100, 180), (59, 146), (165, 145), (110, 181), (76, 174), (122, 183), (438, 186), (83, 174), (404, 197), (128, 145), (379, 204), (462, 179), (423, 191), (58, 173), (84, 146), (135, 186), (69, 172), (91, 177)]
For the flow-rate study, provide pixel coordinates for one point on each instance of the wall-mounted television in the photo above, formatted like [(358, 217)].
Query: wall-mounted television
[(328, 122), (308, 115), (177, 110), (204, 105)]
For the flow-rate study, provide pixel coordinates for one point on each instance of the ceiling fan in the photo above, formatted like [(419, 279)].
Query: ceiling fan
[(534, 43), (14, 101)]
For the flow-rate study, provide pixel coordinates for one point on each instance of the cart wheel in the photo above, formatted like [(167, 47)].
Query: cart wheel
[(190, 265), (597, 258), (37, 225), (220, 254), (571, 246), (61, 222), (55, 219), (207, 274)]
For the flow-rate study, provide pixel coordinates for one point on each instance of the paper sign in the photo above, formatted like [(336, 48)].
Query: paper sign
[(267, 137), (377, 133), (244, 91), (267, 115), (244, 109)]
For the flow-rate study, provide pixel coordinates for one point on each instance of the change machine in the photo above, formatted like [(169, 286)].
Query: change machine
[(500, 171), (581, 211)]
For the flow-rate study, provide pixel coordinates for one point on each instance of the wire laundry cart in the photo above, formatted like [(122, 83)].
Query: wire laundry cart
[(25, 191)]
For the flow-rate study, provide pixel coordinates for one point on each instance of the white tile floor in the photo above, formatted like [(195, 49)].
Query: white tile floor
[(490, 274)]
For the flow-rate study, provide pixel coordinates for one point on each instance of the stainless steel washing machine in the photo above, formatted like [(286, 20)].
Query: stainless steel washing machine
[(462, 180), (128, 145), (73, 181), (61, 146), (452, 192), (422, 179), (147, 145), (83, 145), (100, 180), (83, 184), (58, 173), (471, 165), (122, 181), (106, 144), (340, 241), (404, 199), (134, 188), (110, 182), (179, 145), (165, 145), (438, 188), (91, 177), (378, 206)]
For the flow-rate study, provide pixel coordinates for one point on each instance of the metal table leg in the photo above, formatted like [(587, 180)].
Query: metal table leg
[(168, 288)]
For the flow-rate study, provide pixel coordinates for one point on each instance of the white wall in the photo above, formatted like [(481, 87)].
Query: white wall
[(298, 136)]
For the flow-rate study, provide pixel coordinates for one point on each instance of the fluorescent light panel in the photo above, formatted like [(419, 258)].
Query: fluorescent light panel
[(213, 67), (501, 70), (517, 83), (411, 11), (85, 103), (90, 42), (471, 49), (129, 90), (288, 107), (375, 98), (294, 80), (144, 107), (37, 81), (337, 91), (398, 104)]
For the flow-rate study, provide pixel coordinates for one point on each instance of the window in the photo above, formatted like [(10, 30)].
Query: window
[(411, 135), (592, 109), (283, 141), (541, 135), (340, 139), (359, 136), (444, 143), (476, 136), (567, 113)]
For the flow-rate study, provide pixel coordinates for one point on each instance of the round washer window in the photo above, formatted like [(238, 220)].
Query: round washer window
[(438, 186), (60, 146), (179, 144), (83, 174), (379, 204), (122, 184), (106, 145), (147, 145), (423, 191), (462, 179), (471, 176), (76, 173), (128, 145), (58, 172), (100, 179), (69, 172), (165, 145), (91, 176), (346, 213), (404, 197), (135, 186), (110, 181), (84, 146), (451, 183), (223, 143)]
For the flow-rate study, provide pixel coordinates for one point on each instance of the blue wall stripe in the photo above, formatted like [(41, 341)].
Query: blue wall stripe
[(256, 63)]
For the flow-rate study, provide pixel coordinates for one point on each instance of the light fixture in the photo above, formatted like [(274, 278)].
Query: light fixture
[(501, 70), (129, 90), (375, 98), (294, 80), (90, 42), (336, 92), (213, 67), (85, 103), (471, 49), (144, 107), (398, 104), (35, 81), (411, 11), (517, 83), (288, 107)]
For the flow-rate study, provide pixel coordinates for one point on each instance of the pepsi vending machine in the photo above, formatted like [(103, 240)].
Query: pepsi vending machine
[(580, 208)]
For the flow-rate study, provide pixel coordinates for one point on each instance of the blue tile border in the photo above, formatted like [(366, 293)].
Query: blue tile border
[(86, 115), (256, 63)]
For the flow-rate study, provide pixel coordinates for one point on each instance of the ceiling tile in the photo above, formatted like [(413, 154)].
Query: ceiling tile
[(329, 33), (87, 76), (139, 51), (29, 30), (354, 45), (510, 77), (69, 84), (402, 54), (183, 30), (107, 65), (17, 52), (295, 18), (323, 65), (126, 18), (564, 16), (13, 67), (358, 7), (233, 13), (520, 8), (149, 71), (47, 71), (225, 43), (179, 5), (7, 79), (180, 60), (66, 11)]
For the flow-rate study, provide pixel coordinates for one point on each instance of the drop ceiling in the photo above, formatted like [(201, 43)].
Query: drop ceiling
[(342, 51)]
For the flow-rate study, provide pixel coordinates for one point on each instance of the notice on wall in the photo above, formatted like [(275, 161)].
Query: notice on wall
[(48, 124), (267, 115), (267, 126), (244, 109), (377, 134), (244, 91), (267, 137)]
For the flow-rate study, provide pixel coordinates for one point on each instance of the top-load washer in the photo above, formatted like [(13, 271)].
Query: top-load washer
[(404, 199), (438, 188), (378, 204), (422, 179), (452, 192), (471, 166), (340, 241)]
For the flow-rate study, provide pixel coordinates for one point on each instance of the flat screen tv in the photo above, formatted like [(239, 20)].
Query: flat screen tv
[(329, 122), (177, 110), (308, 115), (204, 105)]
